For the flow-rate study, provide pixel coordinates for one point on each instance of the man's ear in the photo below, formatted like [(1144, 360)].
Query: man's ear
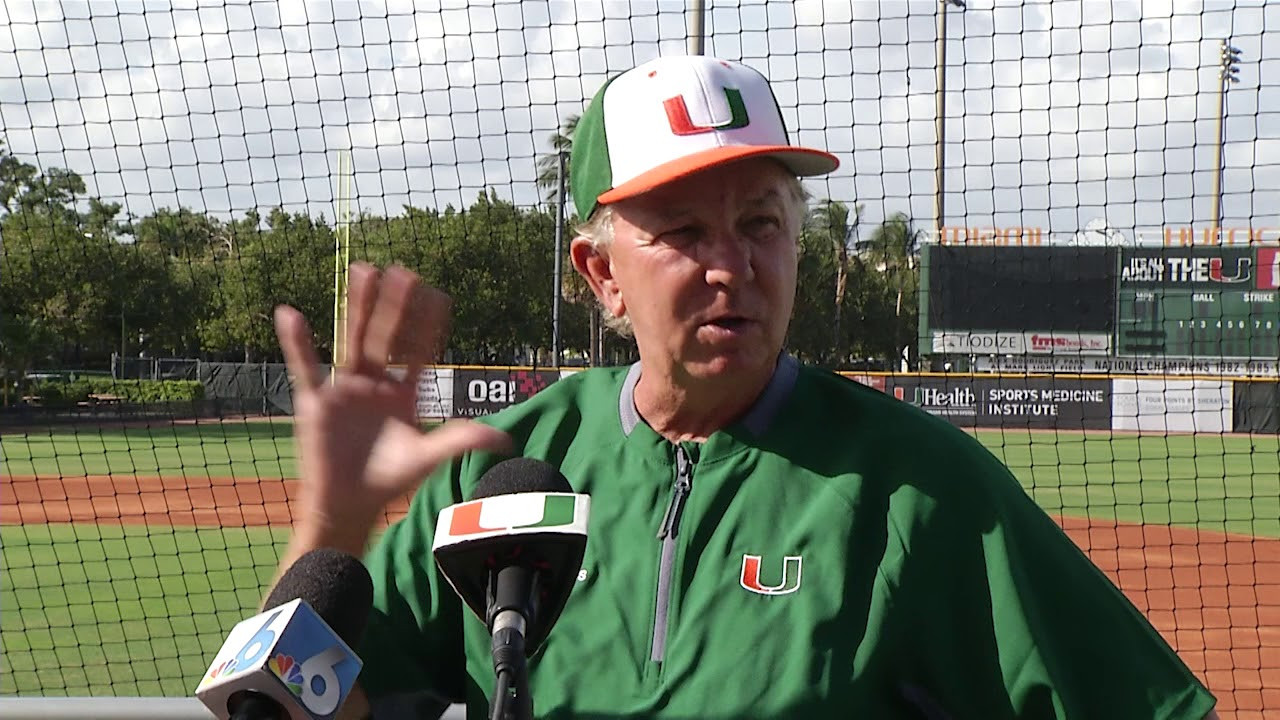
[(596, 268)]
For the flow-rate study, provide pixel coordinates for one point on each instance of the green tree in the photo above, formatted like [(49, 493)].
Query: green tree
[(16, 178), (549, 165), (581, 326), (54, 265), (892, 253), (832, 222), (180, 233), (291, 261)]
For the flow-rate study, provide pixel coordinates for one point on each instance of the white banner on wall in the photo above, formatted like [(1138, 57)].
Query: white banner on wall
[(1021, 343), (1067, 343), (980, 343), (435, 394), (1128, 365), (1171, 405)]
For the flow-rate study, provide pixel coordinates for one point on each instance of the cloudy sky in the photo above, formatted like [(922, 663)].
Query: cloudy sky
[(1057, 112)]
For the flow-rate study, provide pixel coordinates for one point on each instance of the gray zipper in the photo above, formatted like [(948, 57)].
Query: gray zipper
[(667, 534)]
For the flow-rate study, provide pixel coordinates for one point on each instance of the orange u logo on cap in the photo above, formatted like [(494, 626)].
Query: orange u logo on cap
[(678, 115)]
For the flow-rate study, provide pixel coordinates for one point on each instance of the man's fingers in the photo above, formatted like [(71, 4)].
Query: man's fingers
[(362, 293), (299, 349), (422, 335), (394, 303), (457, 437), (429, 328)]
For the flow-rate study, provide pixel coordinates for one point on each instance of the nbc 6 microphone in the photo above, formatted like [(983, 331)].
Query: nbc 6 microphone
[(512, 553), (294, 660)]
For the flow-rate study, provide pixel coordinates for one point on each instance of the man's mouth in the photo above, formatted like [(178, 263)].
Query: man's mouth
[(730, 323)]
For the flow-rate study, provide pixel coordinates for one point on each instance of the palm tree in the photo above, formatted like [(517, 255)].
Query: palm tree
[(548, 165), (892, 251), (830, 220), (572, 287)]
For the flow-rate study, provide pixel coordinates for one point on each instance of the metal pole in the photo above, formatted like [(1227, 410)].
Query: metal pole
[(697, 10), (599, 349), (1228, 57), (558, 282), (593, 332), (341, 260), (940, 114), (1217, 147)]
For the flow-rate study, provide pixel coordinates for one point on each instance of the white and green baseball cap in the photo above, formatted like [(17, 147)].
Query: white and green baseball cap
[(673, 116)]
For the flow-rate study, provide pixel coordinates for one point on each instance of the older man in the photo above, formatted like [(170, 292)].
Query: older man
[(767, 540)]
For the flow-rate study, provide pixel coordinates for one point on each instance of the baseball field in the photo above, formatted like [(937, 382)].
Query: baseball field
[(129, 552)]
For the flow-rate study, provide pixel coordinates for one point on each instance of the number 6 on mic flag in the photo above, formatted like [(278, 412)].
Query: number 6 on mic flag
[(288, 653)]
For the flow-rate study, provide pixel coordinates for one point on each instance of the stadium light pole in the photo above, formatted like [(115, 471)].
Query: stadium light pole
[(1228, 72), (558, 279), (697, 11), (939, 211)]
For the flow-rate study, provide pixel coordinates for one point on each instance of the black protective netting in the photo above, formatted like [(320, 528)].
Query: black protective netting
[(1097, 302)]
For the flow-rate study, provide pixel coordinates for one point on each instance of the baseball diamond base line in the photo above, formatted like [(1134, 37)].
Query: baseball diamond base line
[(1214, 596)]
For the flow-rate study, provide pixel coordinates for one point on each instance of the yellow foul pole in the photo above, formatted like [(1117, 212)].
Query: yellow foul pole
[(341, 260)]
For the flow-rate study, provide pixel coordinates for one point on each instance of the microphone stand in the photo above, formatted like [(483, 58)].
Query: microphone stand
[(511, 698)]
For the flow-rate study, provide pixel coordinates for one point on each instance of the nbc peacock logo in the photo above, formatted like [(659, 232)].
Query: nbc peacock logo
[(286, 668), (222, 669)]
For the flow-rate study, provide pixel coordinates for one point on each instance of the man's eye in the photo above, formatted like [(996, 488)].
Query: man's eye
[(763, 222), (683, 233)]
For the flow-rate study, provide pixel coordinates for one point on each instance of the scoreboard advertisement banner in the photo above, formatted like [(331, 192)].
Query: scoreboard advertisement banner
[(1025, 343)]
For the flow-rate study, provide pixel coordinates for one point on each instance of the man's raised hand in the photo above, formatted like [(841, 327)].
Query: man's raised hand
[(358, 440)]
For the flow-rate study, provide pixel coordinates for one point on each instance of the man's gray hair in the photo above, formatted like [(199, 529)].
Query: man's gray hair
[(599, 230)]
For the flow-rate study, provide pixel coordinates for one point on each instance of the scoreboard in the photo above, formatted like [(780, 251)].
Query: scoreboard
[(1198, 302), (1189, 323)]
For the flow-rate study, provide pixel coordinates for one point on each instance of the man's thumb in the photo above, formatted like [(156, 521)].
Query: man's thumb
[(457, 437)]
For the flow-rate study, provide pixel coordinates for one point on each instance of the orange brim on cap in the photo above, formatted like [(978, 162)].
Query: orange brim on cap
[(799, 160)]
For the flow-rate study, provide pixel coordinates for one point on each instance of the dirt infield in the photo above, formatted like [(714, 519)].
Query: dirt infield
[(171, 501), (1215, 597)]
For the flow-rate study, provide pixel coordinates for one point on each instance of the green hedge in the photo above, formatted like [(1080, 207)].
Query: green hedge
[(66, 393)]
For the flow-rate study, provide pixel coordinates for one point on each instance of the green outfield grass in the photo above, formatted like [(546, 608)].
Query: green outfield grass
[(1227, 483), (1220, 482), (100, 610), (109, 610), (257, 449)]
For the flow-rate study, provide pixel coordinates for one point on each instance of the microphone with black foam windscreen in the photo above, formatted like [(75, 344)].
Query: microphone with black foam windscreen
[(294, 661), (512, 553)]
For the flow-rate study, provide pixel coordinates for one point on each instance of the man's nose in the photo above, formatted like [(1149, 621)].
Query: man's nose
[(726, 254)]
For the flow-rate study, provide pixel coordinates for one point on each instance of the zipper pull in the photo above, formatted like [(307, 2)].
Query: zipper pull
[(680, 491)]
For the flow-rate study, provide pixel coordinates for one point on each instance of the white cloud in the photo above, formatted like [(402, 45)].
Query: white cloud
[(1056, 109)]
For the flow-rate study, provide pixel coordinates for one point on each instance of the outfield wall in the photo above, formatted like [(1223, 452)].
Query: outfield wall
[(1066, 401), (1046, 402)]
